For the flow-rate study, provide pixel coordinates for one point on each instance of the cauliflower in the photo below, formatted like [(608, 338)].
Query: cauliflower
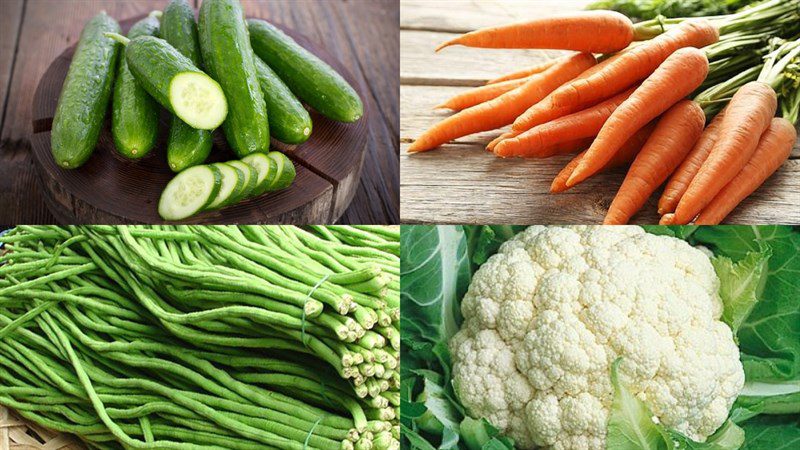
[(545, 318)]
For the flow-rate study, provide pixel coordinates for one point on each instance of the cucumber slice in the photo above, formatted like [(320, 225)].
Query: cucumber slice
[(266, 168), (240, 189), (198, 100), (250, 179), (232, 180), (284, 173), (189, 192)]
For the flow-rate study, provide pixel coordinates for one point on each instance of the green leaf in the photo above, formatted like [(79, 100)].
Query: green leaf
[(772, 433), (435, 275), (677, 231), (741, 284), (766, 398), (769, 338), (728, 437), (630, 423), (485, 240)]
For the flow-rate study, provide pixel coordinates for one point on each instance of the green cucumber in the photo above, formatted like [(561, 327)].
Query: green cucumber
[(250, 179), (289, 122), (189, 192), (266, 168), (186, 146), (242, 187), (310, 78), (228, 57), (284, 172), (232, 182), (134, 114), (84, 98), (174, 81)]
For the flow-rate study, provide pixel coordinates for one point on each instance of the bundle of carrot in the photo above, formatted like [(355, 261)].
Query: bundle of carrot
[(629, 105)]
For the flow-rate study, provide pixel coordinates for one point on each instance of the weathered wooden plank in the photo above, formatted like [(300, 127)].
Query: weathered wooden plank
[(458, 66), (460, 16), (461, 183), (10, 22)]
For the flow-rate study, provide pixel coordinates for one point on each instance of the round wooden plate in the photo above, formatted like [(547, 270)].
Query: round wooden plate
[(109, 189)]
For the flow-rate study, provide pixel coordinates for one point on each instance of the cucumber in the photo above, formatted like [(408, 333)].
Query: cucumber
[(289, 122), (232, 182), (175, 82), (134, 114), (266, 168), (250, 180), (186, 146), (284, 172), (242, 187), (228, 58), (310, 78), (189, 192), (84, 98)]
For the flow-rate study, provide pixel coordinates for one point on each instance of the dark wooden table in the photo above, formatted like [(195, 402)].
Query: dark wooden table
[(362, 34)]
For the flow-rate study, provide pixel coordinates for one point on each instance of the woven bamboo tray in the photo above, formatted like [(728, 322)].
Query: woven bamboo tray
[(18, 434)]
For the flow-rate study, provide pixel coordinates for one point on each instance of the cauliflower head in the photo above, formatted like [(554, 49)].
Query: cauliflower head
[(545, 318)]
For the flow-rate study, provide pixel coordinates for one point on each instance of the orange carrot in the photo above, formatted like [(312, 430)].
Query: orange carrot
[(624, 156), (585, 31), (480, 94), (567, 147), (747, 117), (676, 78), (524, 73), (773, 149), (545, 110), (676, 133), (502, 110), (667, 219), (490, 146), (677, 184), (635, 64), (587, 123)]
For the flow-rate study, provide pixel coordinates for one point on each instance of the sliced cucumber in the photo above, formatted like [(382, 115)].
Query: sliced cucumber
[(284, 172), (241, 188), (250, 179), (189, 192), (198, 100), (266, 168), (232, 181)]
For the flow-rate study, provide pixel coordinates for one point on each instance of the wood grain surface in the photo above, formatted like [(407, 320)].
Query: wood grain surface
[(362, 34), (461, 182)]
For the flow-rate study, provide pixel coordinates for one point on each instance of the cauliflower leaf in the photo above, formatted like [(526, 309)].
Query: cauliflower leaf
[(741, 284)]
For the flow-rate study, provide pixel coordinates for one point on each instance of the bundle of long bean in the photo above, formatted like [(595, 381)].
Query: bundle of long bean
[(203, 337)]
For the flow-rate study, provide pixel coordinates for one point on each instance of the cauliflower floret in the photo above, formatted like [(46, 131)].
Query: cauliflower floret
[(546, 316)]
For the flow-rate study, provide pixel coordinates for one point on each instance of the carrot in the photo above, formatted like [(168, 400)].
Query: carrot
[(676, 78), (677, 184), (502, 110), (586, 123), (566, 147), (490, 146), (635, 64), (667, 219), (524, 73), (545, 110), (773, 149), (624, 156), (747, 117), (676, 133), (585, 31), (480, 94)]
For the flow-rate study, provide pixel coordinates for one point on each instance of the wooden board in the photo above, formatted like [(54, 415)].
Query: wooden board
[(110, 189), (461, 182)]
